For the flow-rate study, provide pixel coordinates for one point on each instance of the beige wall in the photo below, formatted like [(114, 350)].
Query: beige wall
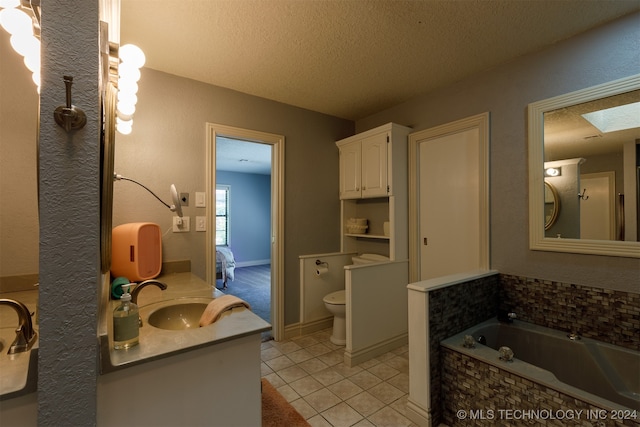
[(167, 146), (607, 53), (18, 174)]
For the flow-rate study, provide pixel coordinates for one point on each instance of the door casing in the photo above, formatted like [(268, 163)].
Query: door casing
[(277, 211), (481, 123)]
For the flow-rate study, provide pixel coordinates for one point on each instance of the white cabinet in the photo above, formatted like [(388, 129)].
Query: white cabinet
[(350, 175), (374, 165), (373, 185), (363, 166)]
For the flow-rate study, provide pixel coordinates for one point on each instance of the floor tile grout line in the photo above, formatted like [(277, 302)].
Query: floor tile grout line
[(375, 375)]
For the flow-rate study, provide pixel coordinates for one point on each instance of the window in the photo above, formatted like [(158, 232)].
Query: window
[(222, 215)]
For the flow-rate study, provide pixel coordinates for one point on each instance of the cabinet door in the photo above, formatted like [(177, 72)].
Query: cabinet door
[(374, 166), (350, 171)]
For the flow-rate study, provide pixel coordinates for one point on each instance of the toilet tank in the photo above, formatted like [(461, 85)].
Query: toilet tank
[(136, 251)]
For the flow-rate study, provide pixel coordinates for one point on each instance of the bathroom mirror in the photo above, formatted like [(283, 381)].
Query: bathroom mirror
[(583, 146), (551, 205)]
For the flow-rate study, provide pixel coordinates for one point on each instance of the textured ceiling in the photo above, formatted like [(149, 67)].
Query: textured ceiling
[(348, 58)]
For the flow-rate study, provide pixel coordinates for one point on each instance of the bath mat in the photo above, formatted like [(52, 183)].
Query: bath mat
[(276, 411)]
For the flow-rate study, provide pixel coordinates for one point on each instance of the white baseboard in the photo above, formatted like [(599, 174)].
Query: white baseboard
[(253, 263), (418, 414), (300, 328), (353, 358)]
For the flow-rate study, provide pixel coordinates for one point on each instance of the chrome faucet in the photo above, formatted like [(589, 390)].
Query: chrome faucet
[(142, 285), (25, 335), (506, 316)]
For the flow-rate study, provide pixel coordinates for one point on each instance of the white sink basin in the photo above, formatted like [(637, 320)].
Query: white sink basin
[(368, 259)]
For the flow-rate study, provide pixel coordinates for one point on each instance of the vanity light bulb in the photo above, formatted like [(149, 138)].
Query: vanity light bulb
[(36, 79), (8, 4), (552, 172), (126, 110), (125, 127), (15, 21), (127, 98), (132, 54), (32, 61), (127, 86), (25, 44), (127, 71)]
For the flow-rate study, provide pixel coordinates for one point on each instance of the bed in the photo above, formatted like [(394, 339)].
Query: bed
[(225, 265)]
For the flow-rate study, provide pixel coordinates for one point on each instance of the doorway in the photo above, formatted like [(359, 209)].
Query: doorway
[(275, 145), (449, 199), (597, 206)]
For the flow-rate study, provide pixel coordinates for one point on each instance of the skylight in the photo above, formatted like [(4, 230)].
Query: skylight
[(615, 118)]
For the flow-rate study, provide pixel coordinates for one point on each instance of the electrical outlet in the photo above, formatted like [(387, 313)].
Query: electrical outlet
[(201, 223), (181, 225)]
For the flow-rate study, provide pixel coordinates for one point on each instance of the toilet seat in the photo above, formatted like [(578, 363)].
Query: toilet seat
[(335, 298)]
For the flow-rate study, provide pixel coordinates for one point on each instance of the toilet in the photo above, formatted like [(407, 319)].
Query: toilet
[(335, 302)]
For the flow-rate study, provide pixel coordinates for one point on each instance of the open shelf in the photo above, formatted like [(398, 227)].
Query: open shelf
[(368, 236)]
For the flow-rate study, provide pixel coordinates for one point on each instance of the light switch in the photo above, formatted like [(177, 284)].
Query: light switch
[(200, 200), (201, 223)]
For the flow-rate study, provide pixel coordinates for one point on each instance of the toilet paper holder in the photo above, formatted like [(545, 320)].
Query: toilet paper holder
[(322, 268)]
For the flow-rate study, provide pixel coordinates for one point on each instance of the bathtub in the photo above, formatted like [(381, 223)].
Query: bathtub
[(591, 371)]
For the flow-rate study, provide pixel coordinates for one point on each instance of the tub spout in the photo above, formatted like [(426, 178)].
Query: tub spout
[(506, 316), (25, 335)]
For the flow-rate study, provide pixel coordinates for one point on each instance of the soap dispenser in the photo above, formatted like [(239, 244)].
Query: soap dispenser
[(125, 322)]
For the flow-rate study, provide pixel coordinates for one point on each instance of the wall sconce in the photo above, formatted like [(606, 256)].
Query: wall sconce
[(176, 207), (552, 172), (21, 19), (131, 60)]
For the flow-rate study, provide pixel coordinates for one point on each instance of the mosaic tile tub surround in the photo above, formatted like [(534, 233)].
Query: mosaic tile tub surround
[(475, 393), (452, 310), (602, 314), (605, 315)]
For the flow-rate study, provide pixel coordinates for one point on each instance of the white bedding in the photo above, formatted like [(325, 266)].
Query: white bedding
[(229, 261)]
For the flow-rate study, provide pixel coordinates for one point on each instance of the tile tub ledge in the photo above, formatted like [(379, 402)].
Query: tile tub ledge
[(453, 279)]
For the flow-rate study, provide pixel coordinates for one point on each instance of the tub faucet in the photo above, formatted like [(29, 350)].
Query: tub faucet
[(506, 316), (139, 287), (25, 335)]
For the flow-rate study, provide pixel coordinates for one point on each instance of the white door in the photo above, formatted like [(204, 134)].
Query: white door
[(597, 207), (451, 187)]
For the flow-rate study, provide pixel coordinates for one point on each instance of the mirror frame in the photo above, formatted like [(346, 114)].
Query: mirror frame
[(536, 110)]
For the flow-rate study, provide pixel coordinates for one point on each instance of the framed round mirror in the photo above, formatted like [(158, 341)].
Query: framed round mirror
[(551, 205)]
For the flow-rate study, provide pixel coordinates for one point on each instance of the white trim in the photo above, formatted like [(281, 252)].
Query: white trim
[(253, 263), (480, 122), (277, 211), (536, 110)]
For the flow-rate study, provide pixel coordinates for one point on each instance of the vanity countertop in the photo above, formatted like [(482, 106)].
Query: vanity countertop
[(159, 343)]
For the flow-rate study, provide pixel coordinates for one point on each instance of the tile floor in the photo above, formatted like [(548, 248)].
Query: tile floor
[(310, 373)]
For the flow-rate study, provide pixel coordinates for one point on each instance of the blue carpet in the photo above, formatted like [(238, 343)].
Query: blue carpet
[(252, 284)]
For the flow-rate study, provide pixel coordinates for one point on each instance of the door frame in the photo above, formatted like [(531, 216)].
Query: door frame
[(480, 122), (277, 211)]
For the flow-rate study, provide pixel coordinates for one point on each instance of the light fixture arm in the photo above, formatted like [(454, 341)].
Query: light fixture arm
[(173, 208)]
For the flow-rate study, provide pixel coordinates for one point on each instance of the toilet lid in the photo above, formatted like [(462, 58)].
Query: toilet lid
[(337, 297)]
